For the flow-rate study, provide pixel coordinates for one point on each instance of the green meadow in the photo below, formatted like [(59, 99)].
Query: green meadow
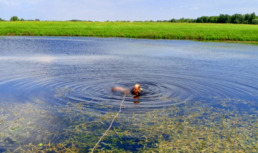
[(149, 30)]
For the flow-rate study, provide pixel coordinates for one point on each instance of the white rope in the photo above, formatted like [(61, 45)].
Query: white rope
[(120, 109)]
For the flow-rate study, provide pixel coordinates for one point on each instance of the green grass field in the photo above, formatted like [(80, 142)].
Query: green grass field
[(150, 30)]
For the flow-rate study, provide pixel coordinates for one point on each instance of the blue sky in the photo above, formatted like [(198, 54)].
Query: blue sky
[(102, 10)]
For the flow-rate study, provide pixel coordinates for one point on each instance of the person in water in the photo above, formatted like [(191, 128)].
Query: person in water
[(136, 90)]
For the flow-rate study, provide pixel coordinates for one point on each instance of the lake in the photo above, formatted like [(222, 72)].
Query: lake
[(55, 94)]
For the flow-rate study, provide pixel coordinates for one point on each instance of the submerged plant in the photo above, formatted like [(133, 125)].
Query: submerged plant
[(196, 126)]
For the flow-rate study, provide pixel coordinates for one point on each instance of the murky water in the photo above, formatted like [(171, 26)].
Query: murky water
[(48, 72)]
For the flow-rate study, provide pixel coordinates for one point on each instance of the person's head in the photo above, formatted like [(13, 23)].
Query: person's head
[(137, 89)]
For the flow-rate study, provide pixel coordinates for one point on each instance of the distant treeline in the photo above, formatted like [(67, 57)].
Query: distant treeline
[(222, 18), (15, 18)]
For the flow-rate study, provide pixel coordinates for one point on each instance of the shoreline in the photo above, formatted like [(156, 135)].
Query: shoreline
[(208, 41)]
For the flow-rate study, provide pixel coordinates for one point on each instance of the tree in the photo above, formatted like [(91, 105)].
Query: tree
[(228, 18), (246, 18), (255, 21), (199, 20), (203, 19), (222, 18), (213, 19), (237, 18), (252, 17), (172, 20), (14, 18)]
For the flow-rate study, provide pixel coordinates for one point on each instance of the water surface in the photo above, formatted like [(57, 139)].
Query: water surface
[(56, 72)]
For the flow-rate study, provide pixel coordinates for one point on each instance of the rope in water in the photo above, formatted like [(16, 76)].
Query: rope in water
[(120, 109)]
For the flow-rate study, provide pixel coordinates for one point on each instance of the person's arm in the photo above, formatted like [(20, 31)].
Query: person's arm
[(121, 89)]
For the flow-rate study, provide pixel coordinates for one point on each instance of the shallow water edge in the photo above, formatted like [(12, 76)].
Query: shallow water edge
[(193, 127), (198, 40)]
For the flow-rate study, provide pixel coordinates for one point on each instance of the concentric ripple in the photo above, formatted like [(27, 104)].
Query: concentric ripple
[(170, 72)]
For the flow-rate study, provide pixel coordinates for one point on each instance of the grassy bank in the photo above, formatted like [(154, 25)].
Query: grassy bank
[(151, 30)]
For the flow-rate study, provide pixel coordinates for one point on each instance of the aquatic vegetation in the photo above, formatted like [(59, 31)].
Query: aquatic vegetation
[(191, 127), (150, 30)]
